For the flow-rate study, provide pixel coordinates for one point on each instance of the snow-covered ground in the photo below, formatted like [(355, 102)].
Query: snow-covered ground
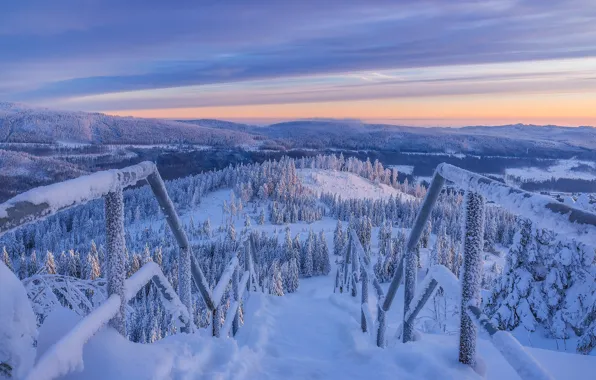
[(311, 334), (405, 169), (346, 184), (563, 169)]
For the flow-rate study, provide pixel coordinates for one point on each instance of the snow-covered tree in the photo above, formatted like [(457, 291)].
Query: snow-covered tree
[(338, 239), (50, 264)]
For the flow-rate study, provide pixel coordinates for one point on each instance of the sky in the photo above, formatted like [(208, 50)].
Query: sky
[(412, 62)]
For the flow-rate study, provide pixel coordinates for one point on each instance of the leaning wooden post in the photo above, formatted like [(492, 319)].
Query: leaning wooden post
[(346, 267), (410, 261), (189, 270), (236, 294), (115, 244), (355, 257), (472, 265), (364, 302), (216, 321)]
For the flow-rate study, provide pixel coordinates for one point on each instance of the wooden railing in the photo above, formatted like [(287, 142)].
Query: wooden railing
[(45, 201), (544, 213)]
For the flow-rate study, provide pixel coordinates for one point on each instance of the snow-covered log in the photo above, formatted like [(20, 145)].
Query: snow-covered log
[(66, 355), (545, 212), (44, 201), (471, 275), (116, 274), (516, 355)]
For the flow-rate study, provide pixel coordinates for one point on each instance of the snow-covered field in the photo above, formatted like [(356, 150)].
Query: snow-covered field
[(563, 169), (405, 169), (346, 184)]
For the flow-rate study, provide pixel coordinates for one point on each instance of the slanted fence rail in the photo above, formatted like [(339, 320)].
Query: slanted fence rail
[(39, 203), (544, 213)]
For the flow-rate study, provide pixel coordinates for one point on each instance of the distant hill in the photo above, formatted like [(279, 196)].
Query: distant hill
[(20, 123)]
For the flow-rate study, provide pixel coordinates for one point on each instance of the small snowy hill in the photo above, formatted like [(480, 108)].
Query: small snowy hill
[(346, 184)]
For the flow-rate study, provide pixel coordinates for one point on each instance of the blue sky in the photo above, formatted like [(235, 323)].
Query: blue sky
[(265, 58)]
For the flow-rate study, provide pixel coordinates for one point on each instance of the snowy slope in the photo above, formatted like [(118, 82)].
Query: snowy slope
[(346, 184)]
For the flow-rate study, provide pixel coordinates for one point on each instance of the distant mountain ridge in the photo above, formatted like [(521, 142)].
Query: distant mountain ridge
[(21, 123)]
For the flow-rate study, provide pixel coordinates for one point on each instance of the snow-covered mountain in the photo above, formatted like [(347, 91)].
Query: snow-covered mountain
[(24, 124)]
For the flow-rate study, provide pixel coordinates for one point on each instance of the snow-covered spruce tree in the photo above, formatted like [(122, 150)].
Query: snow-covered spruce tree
[(323, 262), (275, 283), (33, 265), (262, 217), (22, 267), (93, 270), (515, 299), (293, 281), (207, 228), (307, 257)]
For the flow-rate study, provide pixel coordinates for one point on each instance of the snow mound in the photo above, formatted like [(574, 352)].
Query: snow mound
[(346, 184), (18, 326), (108, 355)]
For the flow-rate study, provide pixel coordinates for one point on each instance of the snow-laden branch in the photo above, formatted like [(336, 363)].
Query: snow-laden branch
[(66, 355), (224, 280), (542, 210), (44, 201)]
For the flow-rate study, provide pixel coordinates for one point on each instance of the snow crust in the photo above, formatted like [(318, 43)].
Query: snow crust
[(18, 326)]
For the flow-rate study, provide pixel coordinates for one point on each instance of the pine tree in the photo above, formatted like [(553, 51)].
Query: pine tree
[(293, 281), (262, 217), (207, 228), (276, 282), (338, 239), (33, 266), (307, 259), (22, 267), (158, 257), (93, 268), (50, 264), (6, 259)]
